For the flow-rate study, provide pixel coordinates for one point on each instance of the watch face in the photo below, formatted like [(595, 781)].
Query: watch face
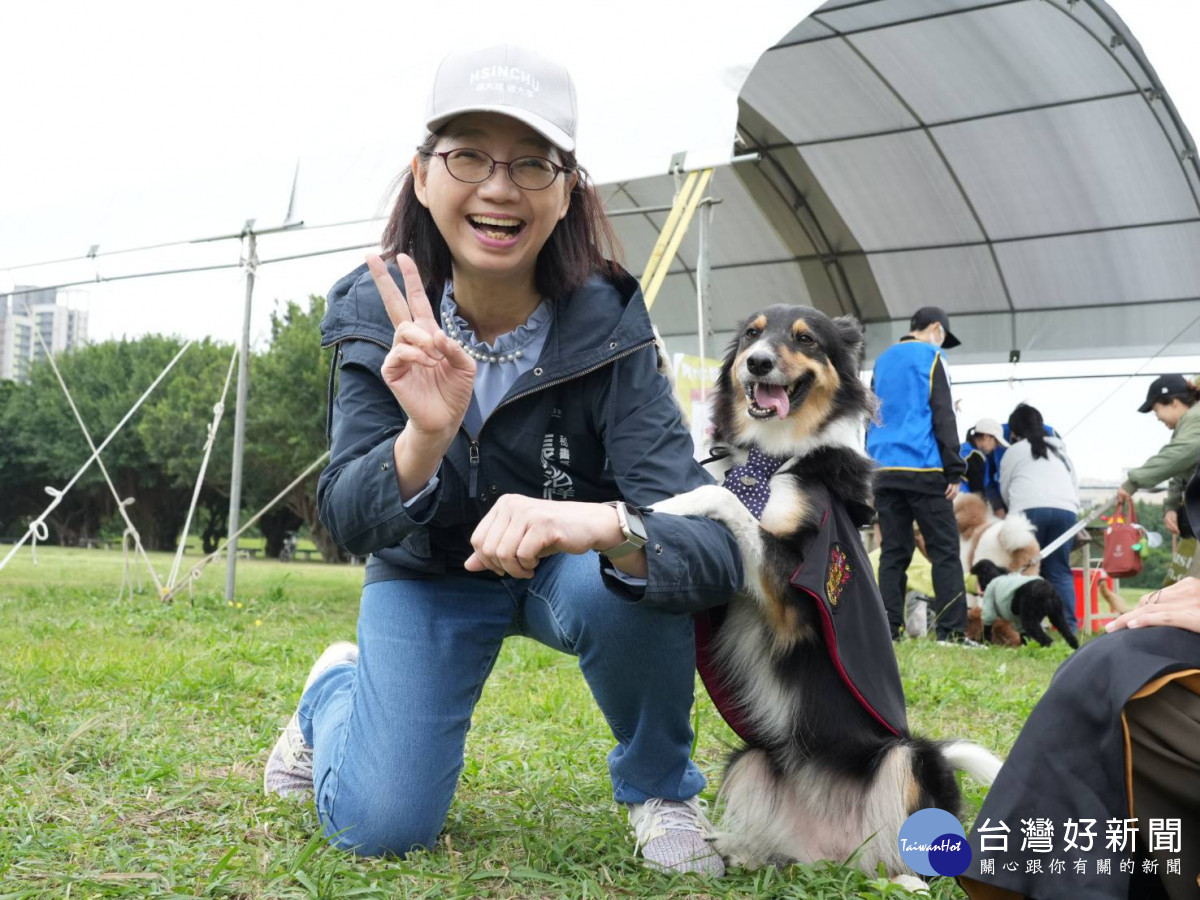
[(633, 519)]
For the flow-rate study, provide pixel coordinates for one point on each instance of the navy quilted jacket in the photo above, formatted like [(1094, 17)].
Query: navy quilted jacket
[(594, 421)]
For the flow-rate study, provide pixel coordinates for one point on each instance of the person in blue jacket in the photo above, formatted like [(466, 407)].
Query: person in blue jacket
[(499, 429), (914, 439)]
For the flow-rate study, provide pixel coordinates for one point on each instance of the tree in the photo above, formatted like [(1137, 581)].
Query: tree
[(286, 411), (175, 427), (157, 456), (175, 421), (22, 495), (44, 438)]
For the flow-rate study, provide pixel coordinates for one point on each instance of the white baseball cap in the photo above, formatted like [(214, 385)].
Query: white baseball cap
[(509, 80), (992, 427)]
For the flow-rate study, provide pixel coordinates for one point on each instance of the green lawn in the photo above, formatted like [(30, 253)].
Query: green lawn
[(133, 737)]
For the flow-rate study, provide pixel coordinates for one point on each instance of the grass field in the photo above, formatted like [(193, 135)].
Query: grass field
[(133, 737)]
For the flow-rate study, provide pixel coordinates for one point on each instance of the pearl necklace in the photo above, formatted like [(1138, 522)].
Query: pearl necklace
[(472, 350)]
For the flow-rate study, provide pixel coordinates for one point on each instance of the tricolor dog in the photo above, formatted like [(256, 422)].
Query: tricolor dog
[(801, 662)]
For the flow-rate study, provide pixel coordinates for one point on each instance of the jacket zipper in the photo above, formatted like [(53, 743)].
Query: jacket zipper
[(473, 482), (474, 446)]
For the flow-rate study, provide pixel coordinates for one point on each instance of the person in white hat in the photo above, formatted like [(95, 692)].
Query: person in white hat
[(983, 449), (495, 387)]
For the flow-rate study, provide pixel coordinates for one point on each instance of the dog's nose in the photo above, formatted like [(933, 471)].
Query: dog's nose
[(760, 365)]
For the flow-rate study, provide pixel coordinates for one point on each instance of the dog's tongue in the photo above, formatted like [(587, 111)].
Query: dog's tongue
[(773, 396)]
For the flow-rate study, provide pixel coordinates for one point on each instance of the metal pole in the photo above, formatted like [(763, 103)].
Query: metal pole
[(1085, 578), (703, 271), (239, 426)]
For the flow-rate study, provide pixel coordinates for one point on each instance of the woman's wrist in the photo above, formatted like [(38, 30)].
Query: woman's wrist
[(417, 456), (611, 536), (633, 564)]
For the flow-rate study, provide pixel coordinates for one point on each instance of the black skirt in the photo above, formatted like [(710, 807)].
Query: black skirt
[(1069, 762)]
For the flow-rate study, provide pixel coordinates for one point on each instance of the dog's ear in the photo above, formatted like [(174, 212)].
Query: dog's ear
[(722, 409), (725, 373), (850, 330), (986, 571)]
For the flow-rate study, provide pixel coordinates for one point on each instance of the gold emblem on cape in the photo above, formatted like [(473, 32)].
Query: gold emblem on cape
[(838, 575)]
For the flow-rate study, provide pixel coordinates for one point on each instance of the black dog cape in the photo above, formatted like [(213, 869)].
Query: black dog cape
[(836, 576)]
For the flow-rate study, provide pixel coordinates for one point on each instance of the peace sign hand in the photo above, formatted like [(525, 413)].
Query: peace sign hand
[(431, 376)]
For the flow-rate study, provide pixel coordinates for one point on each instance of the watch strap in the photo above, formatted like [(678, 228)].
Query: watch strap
[(633, 541)]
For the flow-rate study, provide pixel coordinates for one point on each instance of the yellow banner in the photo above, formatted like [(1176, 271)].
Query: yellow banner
[(1181, 561)]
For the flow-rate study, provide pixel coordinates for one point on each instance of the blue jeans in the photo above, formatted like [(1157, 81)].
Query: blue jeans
[(388, 733), (1056, 568)]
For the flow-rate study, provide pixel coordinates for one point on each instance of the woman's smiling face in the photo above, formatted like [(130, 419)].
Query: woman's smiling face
[(1170, 412), (492, 228)]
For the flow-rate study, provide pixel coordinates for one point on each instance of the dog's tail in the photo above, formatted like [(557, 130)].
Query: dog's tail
[(1059, 620), (1114, 600), (972, 759)]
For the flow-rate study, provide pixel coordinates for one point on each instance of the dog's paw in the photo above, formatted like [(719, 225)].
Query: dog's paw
[(733, 851), (911, 883), (713, 502), (701, 501)]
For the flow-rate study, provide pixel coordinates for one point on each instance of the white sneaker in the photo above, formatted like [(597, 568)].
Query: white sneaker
[(335, 654), (962, 641), (672, 836), (911, 883), (289, 769)]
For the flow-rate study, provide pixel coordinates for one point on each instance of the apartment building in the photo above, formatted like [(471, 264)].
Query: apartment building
[(29, 312)]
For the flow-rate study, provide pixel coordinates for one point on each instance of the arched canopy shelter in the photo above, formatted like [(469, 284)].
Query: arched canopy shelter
[(1016, 162)]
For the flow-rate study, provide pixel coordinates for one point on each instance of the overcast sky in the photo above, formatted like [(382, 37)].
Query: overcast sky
[(131, 123)]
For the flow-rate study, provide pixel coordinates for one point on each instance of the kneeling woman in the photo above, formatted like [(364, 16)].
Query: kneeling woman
[(479, 428)]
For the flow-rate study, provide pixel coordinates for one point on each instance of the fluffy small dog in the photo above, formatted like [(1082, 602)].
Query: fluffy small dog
[(800, 662), (1008, 542), (1031, 602), (1001, 632)]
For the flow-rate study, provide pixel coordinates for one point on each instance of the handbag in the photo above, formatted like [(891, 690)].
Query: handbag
[(1121, 543)]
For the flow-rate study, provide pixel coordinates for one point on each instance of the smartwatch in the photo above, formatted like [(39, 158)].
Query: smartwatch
[(632, 527)]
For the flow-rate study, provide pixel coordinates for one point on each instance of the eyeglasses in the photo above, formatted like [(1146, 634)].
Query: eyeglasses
[(530, 173)]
